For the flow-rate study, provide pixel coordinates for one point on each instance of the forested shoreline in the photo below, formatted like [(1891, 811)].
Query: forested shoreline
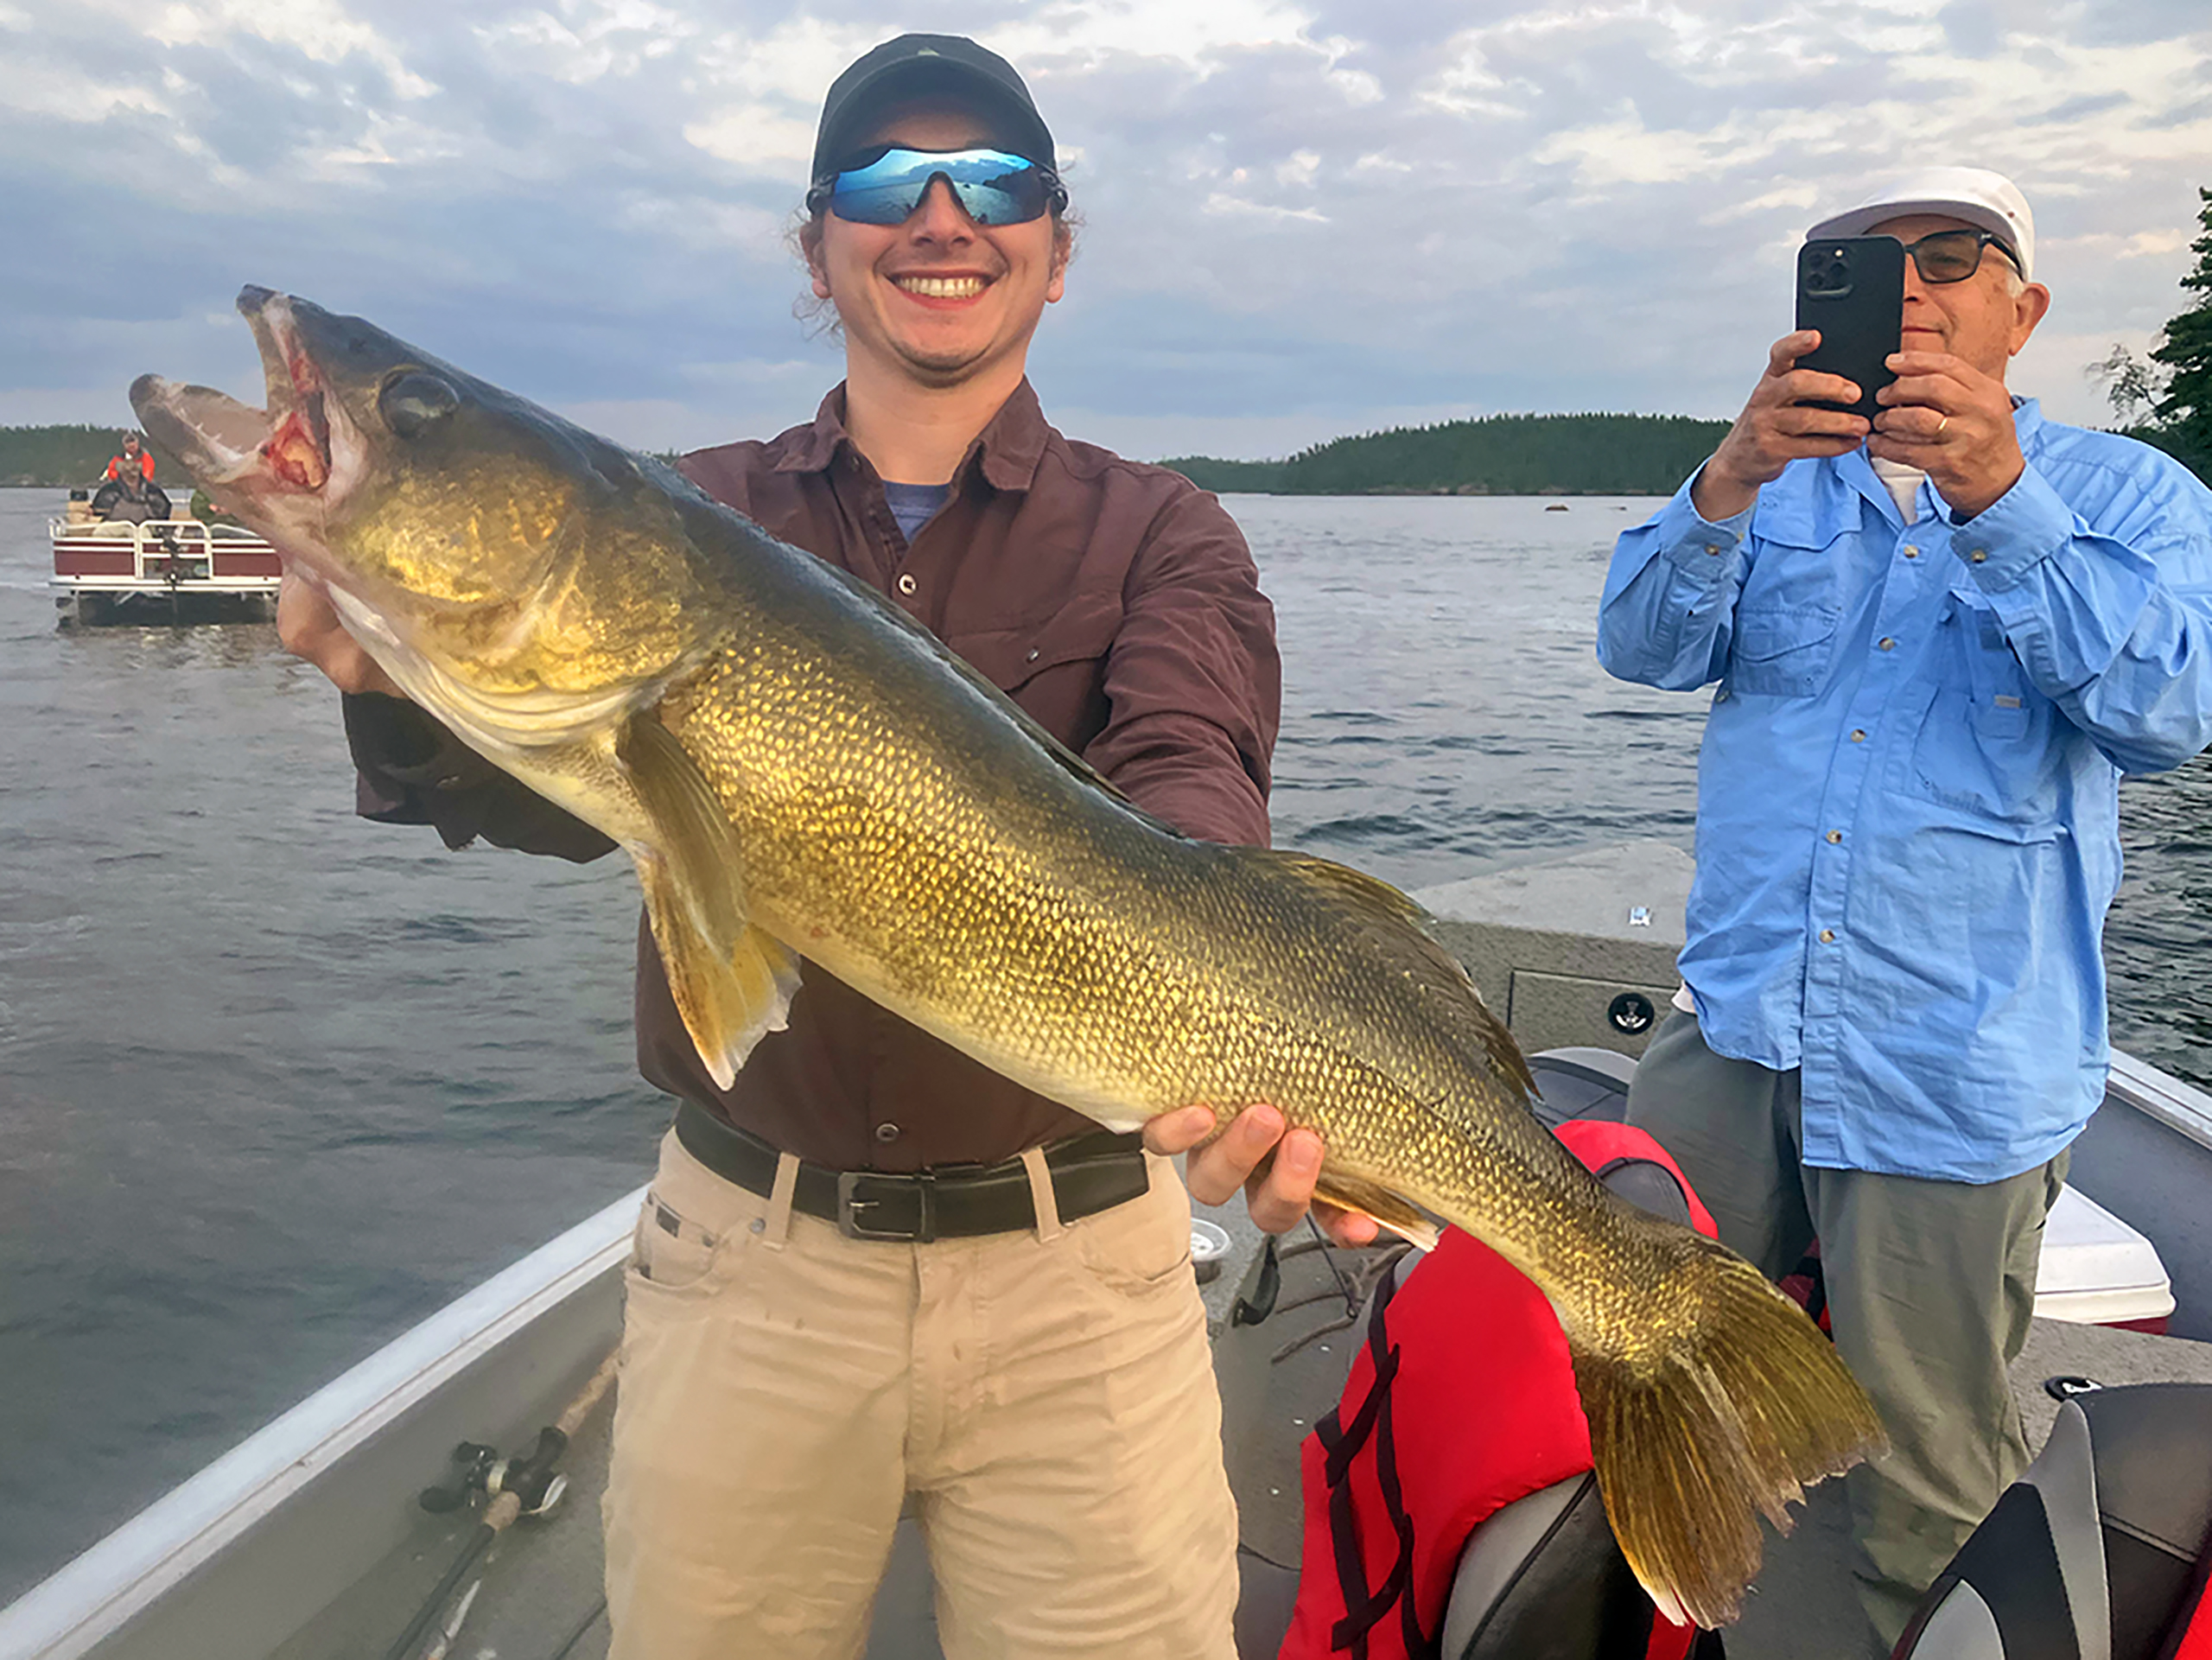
[(1517, 455), (1495, 455), (59, 457)]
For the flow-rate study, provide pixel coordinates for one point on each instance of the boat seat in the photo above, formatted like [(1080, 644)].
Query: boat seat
[(2093, 1554), (1577, 1083), (1542, 1576)]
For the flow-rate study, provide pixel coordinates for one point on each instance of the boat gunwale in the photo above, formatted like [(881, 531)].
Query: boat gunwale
[(97, 1595), (2158, 1095)]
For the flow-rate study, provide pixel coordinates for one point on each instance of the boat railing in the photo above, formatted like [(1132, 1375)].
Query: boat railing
[(163, 550)]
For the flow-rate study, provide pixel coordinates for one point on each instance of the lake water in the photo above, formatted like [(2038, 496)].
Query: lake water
[(275, 1083)]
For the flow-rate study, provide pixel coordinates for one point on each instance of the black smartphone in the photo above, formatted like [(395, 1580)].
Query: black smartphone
[(1852, 289)]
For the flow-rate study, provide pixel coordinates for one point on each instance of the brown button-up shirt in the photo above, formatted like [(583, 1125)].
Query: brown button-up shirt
[(1116, 602)]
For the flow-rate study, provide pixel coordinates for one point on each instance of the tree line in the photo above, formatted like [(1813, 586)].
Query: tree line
[(62, 456), (1495, 455), (2165, 398)]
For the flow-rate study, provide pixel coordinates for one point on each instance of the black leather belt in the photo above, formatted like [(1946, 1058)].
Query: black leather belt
[(1091, 1174)]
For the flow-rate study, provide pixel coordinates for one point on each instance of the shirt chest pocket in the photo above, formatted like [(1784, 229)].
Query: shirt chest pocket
[(1055, 669), (1782, 651), (1988, 741), (1794, 596)]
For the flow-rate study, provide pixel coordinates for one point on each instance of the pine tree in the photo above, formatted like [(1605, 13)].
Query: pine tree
[(2184, 412)]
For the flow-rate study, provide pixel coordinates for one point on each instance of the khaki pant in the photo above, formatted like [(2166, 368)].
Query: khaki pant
[(1930, 1286), (1047, 1396)]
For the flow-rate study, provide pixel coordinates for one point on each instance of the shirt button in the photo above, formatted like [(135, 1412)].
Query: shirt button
[(1834, 836), (1859, 735), (1713, 547), (1886, 643), (1911, 552), (1828, 936), (906, 582), (887, 1132), (1033, 655), (1979, 556)]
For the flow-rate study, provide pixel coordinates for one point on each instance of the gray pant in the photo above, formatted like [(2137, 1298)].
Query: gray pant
[(1930, 1286)]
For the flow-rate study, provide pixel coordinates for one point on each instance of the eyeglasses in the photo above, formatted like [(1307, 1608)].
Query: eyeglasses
[(1954, 255), (884, 187)]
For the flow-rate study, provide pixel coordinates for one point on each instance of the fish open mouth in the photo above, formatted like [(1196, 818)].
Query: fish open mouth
[(287, 447)]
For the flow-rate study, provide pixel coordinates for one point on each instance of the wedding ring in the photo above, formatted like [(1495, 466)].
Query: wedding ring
[(1941, 424)]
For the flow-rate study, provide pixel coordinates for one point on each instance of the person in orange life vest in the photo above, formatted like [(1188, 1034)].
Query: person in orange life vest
[(134, 459)]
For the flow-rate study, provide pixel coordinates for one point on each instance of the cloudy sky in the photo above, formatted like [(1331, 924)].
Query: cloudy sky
[(1300, 217)]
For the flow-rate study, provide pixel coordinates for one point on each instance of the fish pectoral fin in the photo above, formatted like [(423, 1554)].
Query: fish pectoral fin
[(1400, 1216), (731, 982), (730, 994)]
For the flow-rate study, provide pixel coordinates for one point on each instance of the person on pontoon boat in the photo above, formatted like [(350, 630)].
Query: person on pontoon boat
[(128, 493)]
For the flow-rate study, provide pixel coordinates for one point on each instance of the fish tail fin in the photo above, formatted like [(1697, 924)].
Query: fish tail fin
[(1742, 1406)]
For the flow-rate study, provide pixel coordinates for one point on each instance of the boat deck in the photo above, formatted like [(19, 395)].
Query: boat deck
[(261, 1553), (541, 1596)]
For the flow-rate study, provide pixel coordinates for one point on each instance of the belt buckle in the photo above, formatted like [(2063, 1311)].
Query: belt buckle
[(850, 1202)]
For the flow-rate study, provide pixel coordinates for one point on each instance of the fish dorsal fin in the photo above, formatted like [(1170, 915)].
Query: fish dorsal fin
[(732, 983), (1404, 933)]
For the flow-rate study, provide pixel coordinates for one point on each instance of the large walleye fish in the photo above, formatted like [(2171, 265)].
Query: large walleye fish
[(799, 770)]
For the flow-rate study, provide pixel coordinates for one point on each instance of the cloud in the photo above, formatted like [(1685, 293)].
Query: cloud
[(322, 30), (1299, 214)]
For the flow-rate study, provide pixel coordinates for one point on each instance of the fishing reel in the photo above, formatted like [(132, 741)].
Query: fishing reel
[(535, 1484)]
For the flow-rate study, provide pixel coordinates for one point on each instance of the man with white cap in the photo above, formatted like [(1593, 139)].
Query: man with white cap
[(1940, 640)]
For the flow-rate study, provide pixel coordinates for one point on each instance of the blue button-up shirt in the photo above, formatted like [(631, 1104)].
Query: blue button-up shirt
[(1908, 805)]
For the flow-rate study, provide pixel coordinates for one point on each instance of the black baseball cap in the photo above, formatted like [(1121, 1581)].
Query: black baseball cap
[(923, 66)]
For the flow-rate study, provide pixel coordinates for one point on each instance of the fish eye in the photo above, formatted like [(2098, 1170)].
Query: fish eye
[(415, 400)]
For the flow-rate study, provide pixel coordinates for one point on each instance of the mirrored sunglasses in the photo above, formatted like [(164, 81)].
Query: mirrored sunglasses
[(1954, 255), (885, 187)]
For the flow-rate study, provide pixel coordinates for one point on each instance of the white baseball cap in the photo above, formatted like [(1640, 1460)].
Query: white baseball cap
[(1980, 197)]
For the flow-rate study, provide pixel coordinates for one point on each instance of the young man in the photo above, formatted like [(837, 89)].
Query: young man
[(1940, 644), (871, 1269)]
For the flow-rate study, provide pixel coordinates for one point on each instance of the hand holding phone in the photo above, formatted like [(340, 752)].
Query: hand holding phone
[(1852, 289), (1851, 298)]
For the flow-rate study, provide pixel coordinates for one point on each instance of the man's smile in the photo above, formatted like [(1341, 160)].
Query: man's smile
[(927, 285)]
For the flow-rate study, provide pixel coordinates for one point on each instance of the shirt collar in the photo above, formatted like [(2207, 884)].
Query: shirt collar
[(1856, 468), (1010, 445)]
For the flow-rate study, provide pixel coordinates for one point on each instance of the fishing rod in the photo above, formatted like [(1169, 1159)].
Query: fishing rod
[(523, 1486)]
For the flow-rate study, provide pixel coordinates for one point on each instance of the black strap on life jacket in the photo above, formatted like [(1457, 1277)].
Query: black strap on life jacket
[(1366, 1606)]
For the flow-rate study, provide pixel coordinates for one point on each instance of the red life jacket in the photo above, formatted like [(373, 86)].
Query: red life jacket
[(1462, 1402), (2192, 1637)]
